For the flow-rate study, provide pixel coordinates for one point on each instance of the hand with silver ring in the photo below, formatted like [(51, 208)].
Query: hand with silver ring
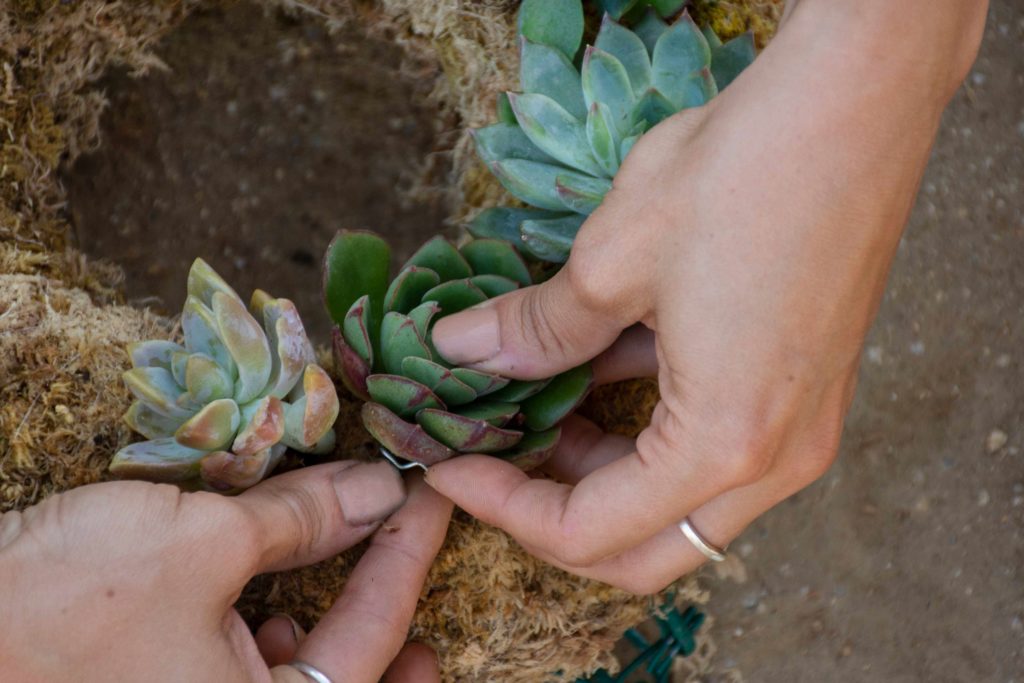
[(740, 258), (130, 581)]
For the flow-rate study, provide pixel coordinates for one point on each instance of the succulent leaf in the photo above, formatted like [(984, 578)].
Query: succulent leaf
[(530, 181), (494, 285), (310, 418), (580, 193), (506, 141), (602, 134), (199, 326), (356, 329), (404, 439), (400, 340), (546, 71), (439, 379), (154, 353), (440, 256), (627, 146), (466, 434), (247, 343), (483, 383), (551, 240), (680, 51), (605, 80), (163, 460), (150, 423), (262, 426), (505, 223), (627, 47), (558, 23), (206, 380), (157, 389), (402, 396), (356, 264), (712, 38), (226, 471), (519, 390), (504, 109), (554, 130), (652, 109), (534, 449), (455, 295), (616, 8), (406, 291), (422, 315), (728, 60), (204, 282), (496, 257), (289, 345), (498, 413), (649, 29), (353, 367), (212, 428), (559, 398)]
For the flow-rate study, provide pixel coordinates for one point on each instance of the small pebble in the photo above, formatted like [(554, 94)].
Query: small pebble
[(983, 498), (997, 438)]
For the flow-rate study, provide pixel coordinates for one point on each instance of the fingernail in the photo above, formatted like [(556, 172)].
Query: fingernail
[(369, 492), (471, 336), (297, 633)]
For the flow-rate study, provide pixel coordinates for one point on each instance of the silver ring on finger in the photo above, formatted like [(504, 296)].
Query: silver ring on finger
[(706, 548), (311, 672)]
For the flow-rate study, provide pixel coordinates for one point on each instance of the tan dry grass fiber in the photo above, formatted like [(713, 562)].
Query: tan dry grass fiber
[(493, 612)]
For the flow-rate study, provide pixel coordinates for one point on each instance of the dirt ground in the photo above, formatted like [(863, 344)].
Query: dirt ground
[(903, 564)]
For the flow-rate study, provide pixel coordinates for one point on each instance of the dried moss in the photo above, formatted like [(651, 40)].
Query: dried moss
[(731, 18)]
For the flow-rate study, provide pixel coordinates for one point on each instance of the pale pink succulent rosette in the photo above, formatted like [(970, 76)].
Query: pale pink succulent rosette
[(220, 410)]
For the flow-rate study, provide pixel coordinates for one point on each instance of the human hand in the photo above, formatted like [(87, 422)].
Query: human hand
[(128, 581), (751, 238)]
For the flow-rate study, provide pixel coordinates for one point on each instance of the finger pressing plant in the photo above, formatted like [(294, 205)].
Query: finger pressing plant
[(559, 142), (221, 409), (420, 407)]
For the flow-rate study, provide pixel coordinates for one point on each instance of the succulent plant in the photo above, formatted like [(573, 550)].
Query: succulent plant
[(221, 410), (635, 9), (559, 143), (420, 407)]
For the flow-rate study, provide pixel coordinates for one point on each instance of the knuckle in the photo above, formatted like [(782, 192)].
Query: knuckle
[(534, 314), (578, 553), (642, 585), (592, 291)]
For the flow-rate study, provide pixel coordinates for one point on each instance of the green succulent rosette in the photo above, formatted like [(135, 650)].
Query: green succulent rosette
[(420, 407), (559, 143), (220, 410)]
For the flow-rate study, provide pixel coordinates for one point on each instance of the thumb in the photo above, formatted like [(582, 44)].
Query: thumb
[(533, 332)]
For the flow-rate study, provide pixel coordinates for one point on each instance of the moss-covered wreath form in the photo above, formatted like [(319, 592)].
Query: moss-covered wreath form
[(492, 611)]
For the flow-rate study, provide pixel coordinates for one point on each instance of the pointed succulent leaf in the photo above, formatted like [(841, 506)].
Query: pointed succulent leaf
[(157, 460), (554, 130), (201, 335), (179, 361), (533, 450), (466, 434), (649, 29), (496, 257), (289, 346), (455, 295), (545, 70), (400, 340), (403, 396), (519, 390), (205, 380), (204, 282), (262, 426), (257, 301), (483, 383), (439, 379), (498, 413), (357, 264), (605, 80), (652, 109), (212, 428), (406, 291), (246, 342), (494, 285), (225, 471), (504, 109), (505, 222), (627, 146), (352, 367), (150, 423), (506, 141), (308, 419), (667, 8), (603, 136), (356, 329), (404, 439), (559, 398), (154, 353), (558, 23), (157, 389), (530, 181), (730, 59), (712, 38), (440, 256), (551, 240), (695, 89), (627, 47), (422, 315), (580, 193), (616, 8), (680, 51)]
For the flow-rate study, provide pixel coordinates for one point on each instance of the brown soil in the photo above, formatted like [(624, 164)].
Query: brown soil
[(261, 141)]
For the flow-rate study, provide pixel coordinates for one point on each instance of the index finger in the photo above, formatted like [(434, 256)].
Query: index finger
[(366, 628)]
